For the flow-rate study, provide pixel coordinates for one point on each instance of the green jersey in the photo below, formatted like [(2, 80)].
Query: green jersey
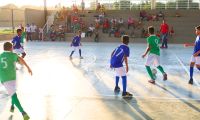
[(23, 37), (7, 66), (153, 42)]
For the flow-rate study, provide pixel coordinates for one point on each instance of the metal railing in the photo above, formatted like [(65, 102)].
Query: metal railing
[(147, 4)]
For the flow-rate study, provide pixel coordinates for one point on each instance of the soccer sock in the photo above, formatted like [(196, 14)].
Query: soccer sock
[(191, 72), (124, 83), (80, 52), (150, 72), (116, 81), (17, 103), (160, 68), (71, 53)]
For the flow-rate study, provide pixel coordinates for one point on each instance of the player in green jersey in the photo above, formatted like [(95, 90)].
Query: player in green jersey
[(154, 55), (23, 36), (8, 75)]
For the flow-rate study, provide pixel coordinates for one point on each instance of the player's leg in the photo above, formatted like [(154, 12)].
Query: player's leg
[(122, 72), (149, 62), (11, 88), (74, 49), (162, 38), (159, 67), (117, 88), (192, 63), (80, 52)]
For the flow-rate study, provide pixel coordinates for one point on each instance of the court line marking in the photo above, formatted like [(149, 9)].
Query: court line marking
[(186, 70)]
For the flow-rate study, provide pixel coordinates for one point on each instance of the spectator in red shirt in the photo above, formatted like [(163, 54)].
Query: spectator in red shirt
[(164, 29), (106, 26)]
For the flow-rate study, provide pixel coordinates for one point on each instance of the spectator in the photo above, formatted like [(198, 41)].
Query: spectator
[(164, 29), (161, 14), (98, 7), (61, 33), (52, 32), (33, 31), (90, 31), (112, 30), (130, 22), (106, 26), (143, 15), (172, 31), (113, 20), (96, 37), (28, 32), (120, 22), (40, 34), (178, 14)]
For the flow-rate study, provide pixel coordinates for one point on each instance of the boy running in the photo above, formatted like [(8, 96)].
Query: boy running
[(18, 48), (118, 56), (154, 55), (195, 59), (76, 43), (8, 75)]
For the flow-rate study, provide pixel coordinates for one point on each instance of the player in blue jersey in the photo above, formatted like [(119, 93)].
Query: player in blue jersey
[(118, 57), (17, 47), (195, 59), (76, 44)]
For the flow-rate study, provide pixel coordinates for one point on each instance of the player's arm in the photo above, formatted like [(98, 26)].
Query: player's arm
[(146, 52), (126, 63), (21, 61), (197, 53)]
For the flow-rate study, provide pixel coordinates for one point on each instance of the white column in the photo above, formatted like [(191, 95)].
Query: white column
[(153, 4)]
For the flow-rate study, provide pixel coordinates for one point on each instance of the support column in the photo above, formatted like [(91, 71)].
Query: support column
[(153, 4)]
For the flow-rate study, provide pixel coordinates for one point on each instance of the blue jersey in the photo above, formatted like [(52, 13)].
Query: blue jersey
[(117, 58), (197, 45), (16, 42), (76, 41)]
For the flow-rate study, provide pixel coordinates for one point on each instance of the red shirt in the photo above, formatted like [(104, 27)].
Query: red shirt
[(164, 28)]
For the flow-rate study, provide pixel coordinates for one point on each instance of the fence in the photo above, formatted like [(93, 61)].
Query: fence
[(11, 18), (146, 4)]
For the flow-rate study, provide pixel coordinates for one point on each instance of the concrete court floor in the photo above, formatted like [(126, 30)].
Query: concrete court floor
[(63, 89)]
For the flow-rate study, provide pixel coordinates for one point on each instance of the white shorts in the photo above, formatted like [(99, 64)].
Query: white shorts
[(18, 51), (10, 86), (153, 59), (120, 71), (195, 60), (74, 48)]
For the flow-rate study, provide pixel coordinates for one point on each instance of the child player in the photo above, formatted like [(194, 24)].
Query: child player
[(154, 55), (8, 75), (118, 56), (76, 43), (18, 48), (23, 36), (195, 59)]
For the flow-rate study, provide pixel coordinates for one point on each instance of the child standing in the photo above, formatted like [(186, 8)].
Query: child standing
[(23, 36), (154, 55), (195, 59), (76, 43), (119, 55), (18, 48), (8, 75)]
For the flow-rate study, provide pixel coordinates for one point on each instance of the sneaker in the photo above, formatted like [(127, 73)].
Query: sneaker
[(164, 76), (117, 89), (152, 81), (161, 47), (127, 95), (12, 108), (25, 116), (190, 81), (81, 57)]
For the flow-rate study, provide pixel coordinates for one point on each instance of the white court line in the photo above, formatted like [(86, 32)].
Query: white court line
[(186, 70)]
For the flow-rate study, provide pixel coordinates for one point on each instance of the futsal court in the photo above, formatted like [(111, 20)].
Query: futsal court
[(64, 89)]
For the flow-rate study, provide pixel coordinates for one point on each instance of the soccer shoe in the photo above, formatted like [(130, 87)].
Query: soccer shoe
[(25, 116), (81, 57), (117, 89), (164, 76), (127, 95), (12, 108), (190, 81), (152, 81)]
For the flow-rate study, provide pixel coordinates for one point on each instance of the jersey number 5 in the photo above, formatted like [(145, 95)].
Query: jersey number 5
[(3, 61)]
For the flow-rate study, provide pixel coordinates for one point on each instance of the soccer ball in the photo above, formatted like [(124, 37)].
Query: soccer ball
[(154, 71)]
